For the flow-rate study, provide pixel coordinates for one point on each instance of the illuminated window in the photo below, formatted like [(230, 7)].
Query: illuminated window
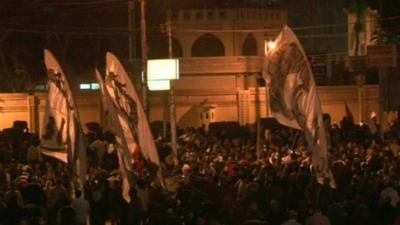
[(158, 85), (84, 86), (95, 86)]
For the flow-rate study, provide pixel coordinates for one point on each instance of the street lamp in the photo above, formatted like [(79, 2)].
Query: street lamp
[(161, 72)]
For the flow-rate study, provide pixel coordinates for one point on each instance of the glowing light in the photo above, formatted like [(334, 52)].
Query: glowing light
[(269, 46), (84, 86), (158, 85), (163, 69), (95, 86)]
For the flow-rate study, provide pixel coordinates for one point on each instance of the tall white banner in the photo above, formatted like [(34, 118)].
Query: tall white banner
[(124, 156), (62, 137), (131, 116), (293, 97)]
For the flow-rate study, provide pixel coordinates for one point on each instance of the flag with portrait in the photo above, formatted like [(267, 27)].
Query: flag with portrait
[(62, 137), (131, 117), (293, 97), (124, 156)]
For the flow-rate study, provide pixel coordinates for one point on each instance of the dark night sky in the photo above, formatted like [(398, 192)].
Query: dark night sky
[(80, 32)]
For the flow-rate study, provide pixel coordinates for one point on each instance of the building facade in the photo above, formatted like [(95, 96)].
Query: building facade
[(221, 54)]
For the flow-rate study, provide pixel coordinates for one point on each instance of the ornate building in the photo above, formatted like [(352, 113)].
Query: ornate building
[(221, 54)]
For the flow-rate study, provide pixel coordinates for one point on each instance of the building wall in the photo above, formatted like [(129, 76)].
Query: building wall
[(230, 26), (32, 108), (14, 107), (227, 104), (223, 87)]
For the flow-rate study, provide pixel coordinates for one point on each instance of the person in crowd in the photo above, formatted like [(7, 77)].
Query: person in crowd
[(291, 219), (317, 218), (135, 212), (81, 208), (218, 177), (66, 214)]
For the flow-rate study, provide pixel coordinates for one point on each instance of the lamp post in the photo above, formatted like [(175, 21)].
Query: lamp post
[(132, 34), (161, 72), (143, 36), (268, 46), (172, 109)]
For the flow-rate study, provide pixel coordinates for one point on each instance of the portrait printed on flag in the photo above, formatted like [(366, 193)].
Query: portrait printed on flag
[(288, 77)]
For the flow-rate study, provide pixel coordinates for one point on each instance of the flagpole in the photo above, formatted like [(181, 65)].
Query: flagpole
[(145, 96), (132, 36), (172, 109)]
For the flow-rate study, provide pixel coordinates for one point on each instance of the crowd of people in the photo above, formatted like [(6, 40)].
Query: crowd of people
[(218, 177)]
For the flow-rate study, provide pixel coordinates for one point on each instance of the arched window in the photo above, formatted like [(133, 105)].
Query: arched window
[(208, 45), (250, 46), (159, 48)]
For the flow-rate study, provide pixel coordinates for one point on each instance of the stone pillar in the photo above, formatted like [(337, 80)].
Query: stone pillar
[(243, 106), (33, 111), (267, 109)]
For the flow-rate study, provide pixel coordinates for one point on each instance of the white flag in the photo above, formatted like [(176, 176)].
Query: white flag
[(131, 116), (63, 137), (124, 156), (293, 97)]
